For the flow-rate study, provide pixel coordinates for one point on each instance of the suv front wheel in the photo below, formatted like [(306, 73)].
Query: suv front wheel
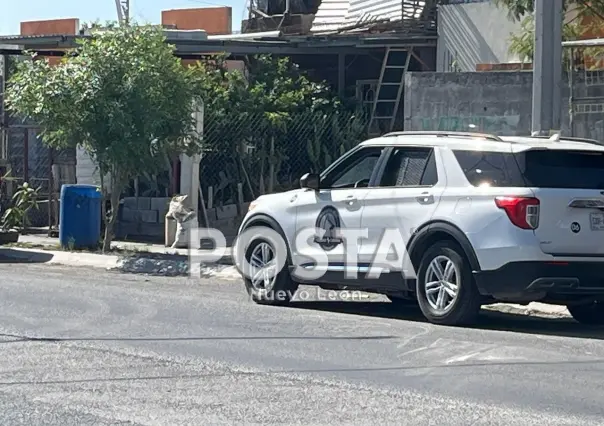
[(267, 279), (446, 291)]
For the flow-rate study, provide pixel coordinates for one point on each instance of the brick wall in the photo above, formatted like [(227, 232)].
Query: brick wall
[(50, 27), (214, 20), (68, 26)]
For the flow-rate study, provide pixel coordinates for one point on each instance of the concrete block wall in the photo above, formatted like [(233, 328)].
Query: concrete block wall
[(494, 102), (226, 218), (143, 217)]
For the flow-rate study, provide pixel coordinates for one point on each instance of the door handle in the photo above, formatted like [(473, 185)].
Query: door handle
[(350, 200), (425, 198)]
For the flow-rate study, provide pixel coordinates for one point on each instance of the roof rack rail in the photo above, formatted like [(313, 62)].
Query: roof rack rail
[(572, 139), (445, 134)]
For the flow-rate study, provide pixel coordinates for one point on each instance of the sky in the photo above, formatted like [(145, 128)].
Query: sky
[(12, 12)]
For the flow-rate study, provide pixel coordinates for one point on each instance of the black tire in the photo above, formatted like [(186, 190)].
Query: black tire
[(466, 306), (283, 288), (588, 314)]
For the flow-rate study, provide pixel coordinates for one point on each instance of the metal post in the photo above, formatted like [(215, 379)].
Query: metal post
[(3, 113), (571, 95), (51, 193), (126, 9), (26, 155), (341, 74), (123, 11), (547, 66)]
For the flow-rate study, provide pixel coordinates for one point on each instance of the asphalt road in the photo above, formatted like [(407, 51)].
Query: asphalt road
[(81, 347)]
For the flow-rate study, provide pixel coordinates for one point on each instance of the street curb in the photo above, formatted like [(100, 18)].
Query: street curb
[(171, 265)]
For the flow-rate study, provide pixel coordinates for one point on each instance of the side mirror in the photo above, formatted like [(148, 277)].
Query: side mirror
[(311, 181)]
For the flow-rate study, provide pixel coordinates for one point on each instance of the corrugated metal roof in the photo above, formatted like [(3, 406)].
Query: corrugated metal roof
[(33, 37), (376, 9), (331, 15), (335, 14)]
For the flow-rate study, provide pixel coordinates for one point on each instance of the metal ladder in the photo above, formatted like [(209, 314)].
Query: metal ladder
[(389, 90)]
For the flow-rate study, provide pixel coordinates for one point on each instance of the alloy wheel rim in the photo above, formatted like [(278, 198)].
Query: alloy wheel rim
[(441, 283), (263, 265)]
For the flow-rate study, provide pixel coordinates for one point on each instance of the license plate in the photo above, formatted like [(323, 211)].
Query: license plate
[(596, 221)]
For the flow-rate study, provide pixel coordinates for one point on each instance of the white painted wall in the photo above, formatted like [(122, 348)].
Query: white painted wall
[(473, 33), (86, 170)]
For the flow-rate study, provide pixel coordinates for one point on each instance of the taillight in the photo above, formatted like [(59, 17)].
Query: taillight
[(522, 211)]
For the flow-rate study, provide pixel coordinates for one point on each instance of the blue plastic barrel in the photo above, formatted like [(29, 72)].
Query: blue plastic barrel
[(80, 216)]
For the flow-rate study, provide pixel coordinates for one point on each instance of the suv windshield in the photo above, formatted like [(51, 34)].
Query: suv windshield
[(534, 168)]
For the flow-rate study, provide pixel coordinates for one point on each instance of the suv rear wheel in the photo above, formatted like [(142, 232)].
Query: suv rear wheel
[(446, 291), (588, 314), (263, 281)]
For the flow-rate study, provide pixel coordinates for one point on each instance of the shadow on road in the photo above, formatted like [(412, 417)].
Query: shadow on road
[(488, 320), (12, 255)]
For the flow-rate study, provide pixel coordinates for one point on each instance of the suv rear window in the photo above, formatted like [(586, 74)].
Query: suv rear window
[(564, 169), (534, 168)]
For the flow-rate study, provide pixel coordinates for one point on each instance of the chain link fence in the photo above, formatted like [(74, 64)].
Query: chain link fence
[(29, 160), (247, 155)]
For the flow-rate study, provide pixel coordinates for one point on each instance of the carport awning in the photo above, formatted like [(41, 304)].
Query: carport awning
[(52, 45)]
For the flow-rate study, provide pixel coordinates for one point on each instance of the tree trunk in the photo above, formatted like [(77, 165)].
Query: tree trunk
[(110, 223), (103, 202)]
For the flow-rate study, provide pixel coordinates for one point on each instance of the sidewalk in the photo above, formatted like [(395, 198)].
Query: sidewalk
[(43, 241), (131, 257)]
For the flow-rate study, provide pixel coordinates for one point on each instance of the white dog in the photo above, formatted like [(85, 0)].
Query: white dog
[(185, 217)]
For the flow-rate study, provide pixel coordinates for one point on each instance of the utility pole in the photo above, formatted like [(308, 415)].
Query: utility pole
[(547, 66), (123, 11)]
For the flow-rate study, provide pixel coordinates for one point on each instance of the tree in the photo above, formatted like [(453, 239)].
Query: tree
[(283, 96), (588, 19), (122, 95), (276, 109)]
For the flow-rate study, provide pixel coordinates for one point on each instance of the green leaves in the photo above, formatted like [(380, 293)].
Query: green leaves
[(574, 28), (517, 9), (25, 199), (123, 96)]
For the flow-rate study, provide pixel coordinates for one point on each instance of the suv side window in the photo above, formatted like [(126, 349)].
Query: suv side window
[(499, 169), (410, 167), (355, 171)]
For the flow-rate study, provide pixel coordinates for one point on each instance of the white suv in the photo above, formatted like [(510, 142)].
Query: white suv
[(483, 218)]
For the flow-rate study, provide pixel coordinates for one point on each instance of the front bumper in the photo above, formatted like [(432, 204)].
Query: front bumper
[(553, 278)]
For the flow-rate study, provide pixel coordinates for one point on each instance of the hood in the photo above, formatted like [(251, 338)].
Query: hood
[(279, 195)]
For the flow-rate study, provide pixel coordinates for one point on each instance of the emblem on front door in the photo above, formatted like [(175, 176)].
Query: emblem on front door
[(327, 224)]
